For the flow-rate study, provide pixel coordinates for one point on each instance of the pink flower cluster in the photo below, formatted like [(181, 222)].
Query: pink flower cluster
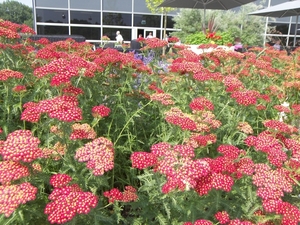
[(267, 143), (20, 145), (201, 104), (184, 172), (100, 111), (200, 121), (223, 218), (82, 131), (64, 108), (280, 127), (129, 195), (197, 140), (10, 170), (6, 74), (11, 196), (163, 98), (99, 155), (67, 200), (246, 97), (175, 162), (66, 68)]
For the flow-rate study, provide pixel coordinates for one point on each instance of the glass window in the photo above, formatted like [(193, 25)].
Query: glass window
[(280, 28), (117, 5), (52, 16), (52, 3), (147, 20), (81, 17), (170, 22), (52, 30), (140, 6), (120, 19), (86, 4), (111, 33), (91, 33)]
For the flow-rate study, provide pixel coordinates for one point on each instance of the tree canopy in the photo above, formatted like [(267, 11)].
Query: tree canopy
[(16, 12)]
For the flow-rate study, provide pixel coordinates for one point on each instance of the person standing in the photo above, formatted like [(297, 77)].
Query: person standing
[(238, 46), (119, 38), (150, 35)]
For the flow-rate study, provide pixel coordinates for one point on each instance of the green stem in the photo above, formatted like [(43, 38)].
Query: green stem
[(129, 120)]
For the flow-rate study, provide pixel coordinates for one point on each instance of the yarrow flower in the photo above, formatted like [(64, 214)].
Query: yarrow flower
[(163, 98), (222, 217), (100, 111), (82, 131), (10, 170), (60, 180), (99, 155), (129, 195), (271, 183), (19, 88), (64, 108), (201, 103), (11, 196), (245, 128), (20, 145), (67, 200), (199, 222), (6, 74), (175, 162)]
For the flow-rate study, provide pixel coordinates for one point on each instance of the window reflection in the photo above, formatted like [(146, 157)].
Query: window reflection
[(51, 16), (51, 30), (111, 33), (52, 3), (120, 19), (140, 6), (147, 20), (118, 5), (92, 33), (170, 22), (86, 4), (79, 17)]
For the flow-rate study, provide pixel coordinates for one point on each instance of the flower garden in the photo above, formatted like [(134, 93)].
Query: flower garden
[(108, 137)]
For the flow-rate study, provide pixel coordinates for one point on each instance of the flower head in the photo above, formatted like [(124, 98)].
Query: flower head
[(14, 195), (20, 145), (99, 155), (100, 111)]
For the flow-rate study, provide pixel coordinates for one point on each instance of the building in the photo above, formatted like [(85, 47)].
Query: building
[(284, 28), (96, 18)]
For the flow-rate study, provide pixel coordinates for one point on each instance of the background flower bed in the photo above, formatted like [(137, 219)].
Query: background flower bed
[(103, 137)]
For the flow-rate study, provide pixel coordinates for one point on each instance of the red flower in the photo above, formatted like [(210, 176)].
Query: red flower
[(99, 155), (13, 195), (100, 111)]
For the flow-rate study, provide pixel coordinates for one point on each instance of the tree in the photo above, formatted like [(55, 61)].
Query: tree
[(16, 12), (238, 23), (152, 5)]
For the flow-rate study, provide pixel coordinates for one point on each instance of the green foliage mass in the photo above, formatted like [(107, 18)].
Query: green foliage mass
[(16, 12), (200, 38)]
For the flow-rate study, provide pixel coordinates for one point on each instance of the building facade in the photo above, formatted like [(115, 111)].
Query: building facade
[(96, 18)]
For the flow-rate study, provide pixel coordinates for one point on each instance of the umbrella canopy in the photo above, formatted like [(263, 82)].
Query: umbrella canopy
[(205, 4), (291, 8)]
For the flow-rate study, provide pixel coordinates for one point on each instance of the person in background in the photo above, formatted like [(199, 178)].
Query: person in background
[(277, 45), (238, 46), (140, 36), (119, 38), (150, 35)]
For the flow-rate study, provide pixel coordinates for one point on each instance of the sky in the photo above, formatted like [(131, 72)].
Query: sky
[(25, 2)]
